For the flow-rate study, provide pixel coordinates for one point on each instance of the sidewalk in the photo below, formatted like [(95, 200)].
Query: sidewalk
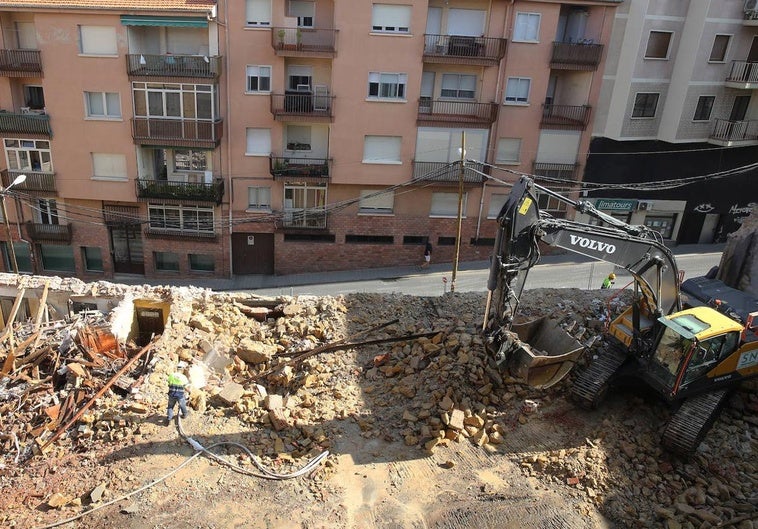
[(255, 282)]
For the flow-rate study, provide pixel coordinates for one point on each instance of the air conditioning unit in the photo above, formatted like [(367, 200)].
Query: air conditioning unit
[(645, 205), (751, 9)]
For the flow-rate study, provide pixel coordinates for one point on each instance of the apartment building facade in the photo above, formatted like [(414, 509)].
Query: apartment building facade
[(676, 104), (279, 136)]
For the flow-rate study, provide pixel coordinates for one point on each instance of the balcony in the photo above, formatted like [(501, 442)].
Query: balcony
[(313, 169), (304, 42), (183, 66), (36, 181), (177, 132), (39, 232), (457, 113), (455, 49), (303, 106), (27, 123), (171, 190), (153, 232), (310, 218), (743, 74), (734, 133), (566, 117), (448, 172), (20, 63), (576, 56), (556, 170)]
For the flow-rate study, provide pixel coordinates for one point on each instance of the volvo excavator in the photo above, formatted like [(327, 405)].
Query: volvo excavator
[(691, 357)]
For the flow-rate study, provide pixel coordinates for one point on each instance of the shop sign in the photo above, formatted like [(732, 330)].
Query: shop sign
[(616, 204)]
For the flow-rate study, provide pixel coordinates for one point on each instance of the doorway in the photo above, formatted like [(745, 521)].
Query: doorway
[(253, 253), (126, 249)]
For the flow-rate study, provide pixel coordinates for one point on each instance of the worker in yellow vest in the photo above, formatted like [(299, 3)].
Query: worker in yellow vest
[(177, 384)]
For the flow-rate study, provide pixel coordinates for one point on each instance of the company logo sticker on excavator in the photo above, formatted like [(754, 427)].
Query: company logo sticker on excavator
[(747, 359), (525, 205)]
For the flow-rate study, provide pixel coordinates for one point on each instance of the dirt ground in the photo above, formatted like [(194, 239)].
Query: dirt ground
[(545, 464)]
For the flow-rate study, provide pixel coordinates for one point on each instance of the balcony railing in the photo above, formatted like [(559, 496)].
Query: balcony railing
[(312, 105), (297, 167), (197, 66), (576, 56), (20, 63), (49, 232), (463, 50), (36, 181), (177, 233), (177, 132), (572, 117), (743, 74), (726, 132), (310, 218), (456, 111), (556, 170), (448, 172), (25, 123), (167, 189), (121, 215), (308, 42)]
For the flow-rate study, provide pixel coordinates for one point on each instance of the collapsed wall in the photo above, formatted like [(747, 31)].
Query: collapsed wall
[(739, 263)]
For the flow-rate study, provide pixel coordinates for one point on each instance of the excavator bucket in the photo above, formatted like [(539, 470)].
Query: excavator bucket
[(541, 352)]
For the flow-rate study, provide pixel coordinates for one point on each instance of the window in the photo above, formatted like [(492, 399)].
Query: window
[(497, 201), (97, 40), (387, 18), (304, 205), (527, 28), (184, 218), (92, 256), (298, 138), (720, 45), (704, 107), (108, 166), (47, 211), (661, 224), (202, 262), (188, 160), (258, 13), (446, 205), (57, 258), (387, 85), (382, 149), (166, 261), (102, 105), (375, 202), (28, 155), (170, 100), (259, 198), (508, 150), (517, 90), (458, 86), (551, 205), (34, 96), (258, 142), (258, 78), (658, 45), (303, 11), (645, 105)]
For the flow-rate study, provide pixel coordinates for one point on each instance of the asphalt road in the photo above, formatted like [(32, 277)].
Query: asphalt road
[(550, 273)]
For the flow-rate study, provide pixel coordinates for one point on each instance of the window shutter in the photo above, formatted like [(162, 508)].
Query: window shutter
[(259, 141), (396, 16), (508, 150), (98, 40), (109, 165), (379, 201), (300, 8), (381, 149), (446, 204), (258, 12), (497, 201)]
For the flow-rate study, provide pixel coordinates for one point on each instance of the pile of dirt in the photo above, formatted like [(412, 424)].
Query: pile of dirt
[(293, 376)]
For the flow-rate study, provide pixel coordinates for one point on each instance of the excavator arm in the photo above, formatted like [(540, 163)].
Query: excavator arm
[(521, 229)]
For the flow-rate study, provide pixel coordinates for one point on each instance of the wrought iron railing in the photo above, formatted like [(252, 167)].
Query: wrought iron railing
[(310, 218), (35, 180), (556, 170), (48, 232), (448, 172), (165, 129), (302, 103), (25, 123), (20, 61), (462, 47), (445, 110), (307, 40), (565, 116), (121, 215), (293, 166), (200, 66), (168, 189), (576, 56)]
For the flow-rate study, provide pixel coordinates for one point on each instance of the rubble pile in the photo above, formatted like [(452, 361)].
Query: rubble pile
[(295, 372)]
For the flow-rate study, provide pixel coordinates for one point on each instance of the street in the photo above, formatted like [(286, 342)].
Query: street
[(552, 272)]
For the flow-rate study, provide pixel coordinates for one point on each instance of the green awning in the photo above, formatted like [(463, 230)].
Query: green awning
[(184, 22)]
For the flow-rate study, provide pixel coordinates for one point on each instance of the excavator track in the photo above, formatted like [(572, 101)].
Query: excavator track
[(591, 385), (688, 426)]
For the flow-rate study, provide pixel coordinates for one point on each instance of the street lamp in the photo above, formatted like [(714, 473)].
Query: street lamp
[(20, 179)]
